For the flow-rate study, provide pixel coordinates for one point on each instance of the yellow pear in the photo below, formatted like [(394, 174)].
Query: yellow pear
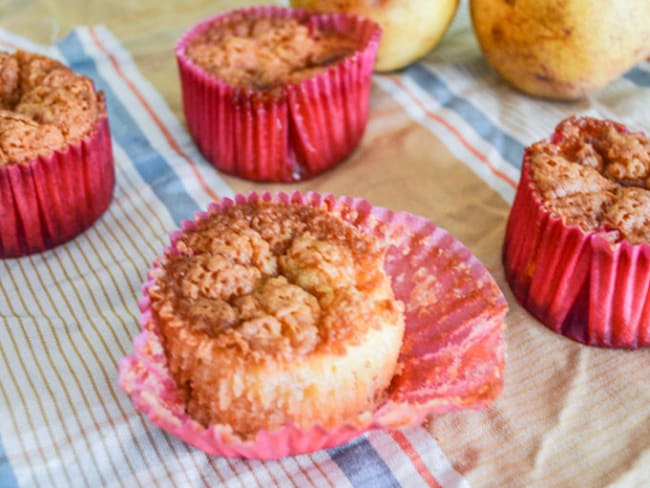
[(411, 28), (562, 49)]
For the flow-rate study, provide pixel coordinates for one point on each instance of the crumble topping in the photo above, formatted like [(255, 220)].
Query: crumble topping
[(630, 213), (274, 279), (44, 107), (594, 174), (262, 53)]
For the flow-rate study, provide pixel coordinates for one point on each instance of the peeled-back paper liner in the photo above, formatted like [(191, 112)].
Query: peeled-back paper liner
[(576, 283), (452, 356), (295, 132), (50, 200)]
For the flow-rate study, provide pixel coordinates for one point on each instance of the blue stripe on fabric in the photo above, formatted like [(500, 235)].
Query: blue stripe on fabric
[(510, 149), (362, 465), (7, 477), (358, 460), (638, 76), (152, 166)]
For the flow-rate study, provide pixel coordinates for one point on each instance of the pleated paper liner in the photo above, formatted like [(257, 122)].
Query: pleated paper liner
[(298, 131), (576, 283), (51, 200), (452, 356)]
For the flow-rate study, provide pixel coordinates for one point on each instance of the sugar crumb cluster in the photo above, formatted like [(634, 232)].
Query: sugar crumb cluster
[(44, 107)]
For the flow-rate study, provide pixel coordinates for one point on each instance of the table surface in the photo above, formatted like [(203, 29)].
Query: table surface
[(568, 413)]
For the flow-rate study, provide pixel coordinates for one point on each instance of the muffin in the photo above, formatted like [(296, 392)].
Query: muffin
[(577, 246), (274, 313), (310, 301), (273, 94), (56, 165)]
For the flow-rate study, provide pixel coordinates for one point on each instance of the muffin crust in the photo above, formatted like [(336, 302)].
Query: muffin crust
[(262, 302), (595, 175), (44, 107), (262, 53)]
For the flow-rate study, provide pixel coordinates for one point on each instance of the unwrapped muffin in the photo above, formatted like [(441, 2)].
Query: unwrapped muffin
[(577, 247), (56, 164), (320, 317), (275, 94), (273, 313)]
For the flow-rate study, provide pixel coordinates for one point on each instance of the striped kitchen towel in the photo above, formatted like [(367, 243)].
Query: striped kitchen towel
[(454, 93), (68, 315)]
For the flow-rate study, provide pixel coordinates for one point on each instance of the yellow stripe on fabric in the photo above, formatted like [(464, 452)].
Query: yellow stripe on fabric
[(143, 270), (12, 414), (230, 463), (308, 463), (40, 369), (315, 465), (107, 380), (117, 262), (126, 330), (282, 464), (215, 470), (304, 472), (135, 248), (246, 463), (71, 370), (107, 377)]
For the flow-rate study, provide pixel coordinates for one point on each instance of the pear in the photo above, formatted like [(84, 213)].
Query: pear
[(411, 28), (562, 49)]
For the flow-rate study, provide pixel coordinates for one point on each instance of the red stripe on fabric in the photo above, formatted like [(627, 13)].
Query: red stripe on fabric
[(415, 458), (482, 157), (170, 139)]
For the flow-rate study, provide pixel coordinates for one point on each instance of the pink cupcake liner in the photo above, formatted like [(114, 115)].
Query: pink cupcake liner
[(576, 283), (452, 356), (50, 200), (297, 133)]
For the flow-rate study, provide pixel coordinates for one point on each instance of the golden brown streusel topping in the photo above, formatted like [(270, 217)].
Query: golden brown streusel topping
[(262, 53), (595, 174), (44, 107), (278, 280), (630, 213)]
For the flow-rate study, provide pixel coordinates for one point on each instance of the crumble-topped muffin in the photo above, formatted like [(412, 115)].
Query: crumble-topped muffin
[(577, 246), (277, 94), (264, 52), (596, 176), (452, 353), (273, 313), (44, 107), (56, 160)]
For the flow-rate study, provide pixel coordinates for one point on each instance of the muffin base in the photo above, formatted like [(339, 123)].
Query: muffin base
[(452, 355), (51, 200), (576, 283)]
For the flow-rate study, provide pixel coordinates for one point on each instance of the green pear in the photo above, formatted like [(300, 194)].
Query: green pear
[(562, 49), (411, 28)]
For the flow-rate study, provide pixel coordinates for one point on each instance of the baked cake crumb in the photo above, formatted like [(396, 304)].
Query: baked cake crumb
[(283, 300), (44, 107), (595, 175), (630, 214), (262, 53)]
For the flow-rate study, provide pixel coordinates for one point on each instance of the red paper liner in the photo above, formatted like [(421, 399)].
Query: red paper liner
[(452, 356), (576, 283), (294, 134), (50, 200)]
